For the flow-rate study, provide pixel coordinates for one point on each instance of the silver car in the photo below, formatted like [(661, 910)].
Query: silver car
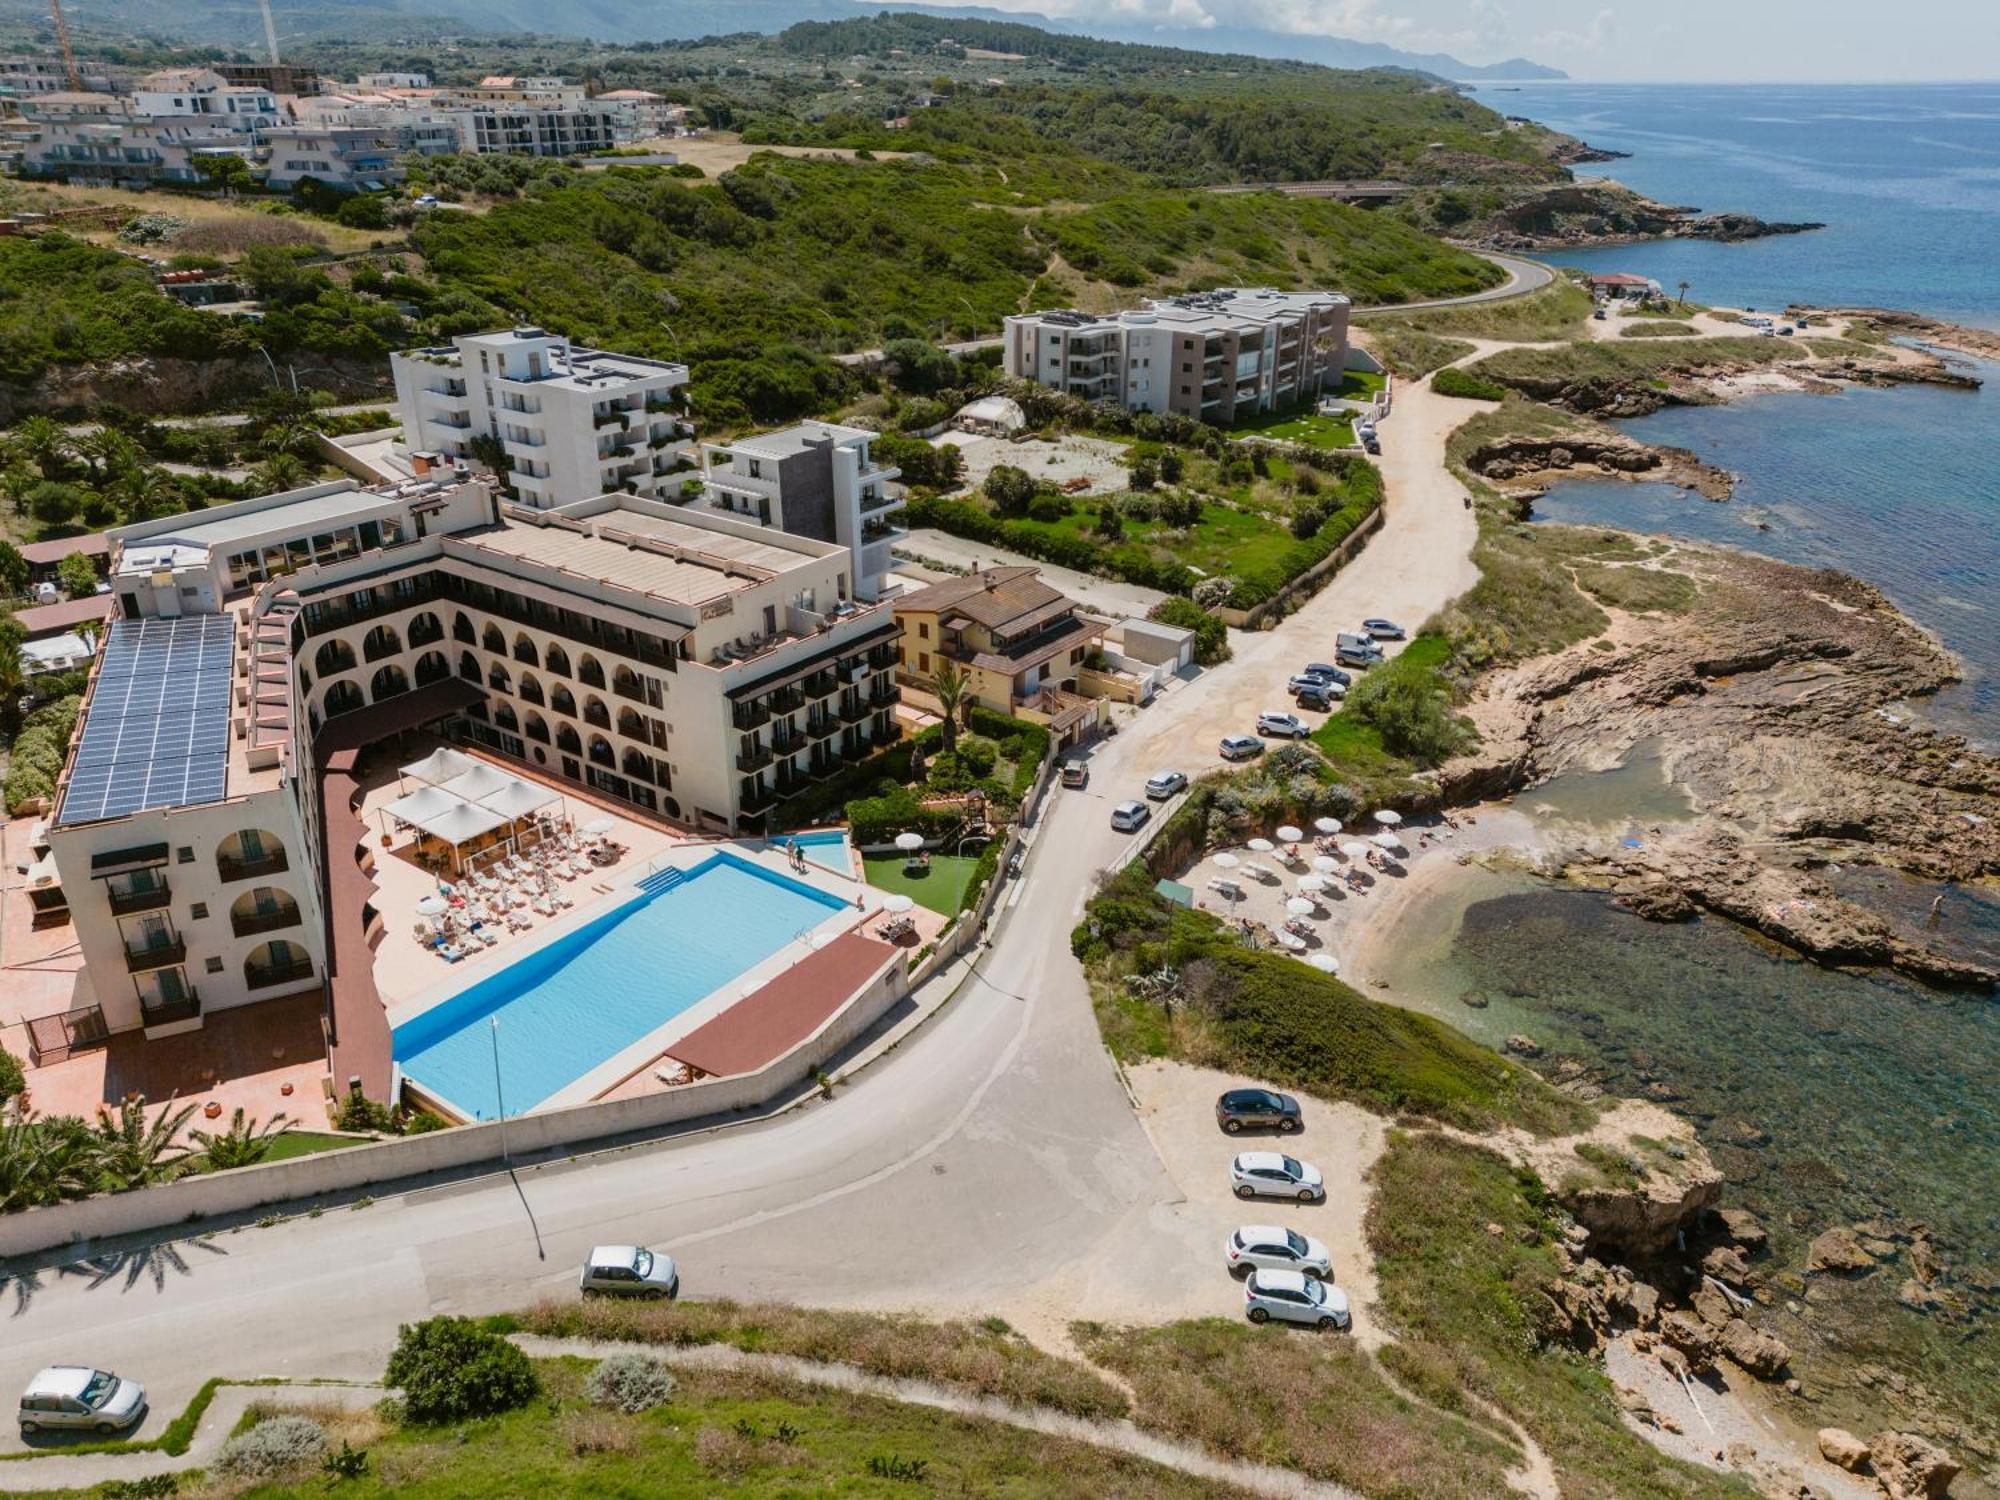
[(1165, 785), (1272, 1174), (1266, 1247), (77, 1396), (628, 1271), (1292, 1297), (1128, 816)]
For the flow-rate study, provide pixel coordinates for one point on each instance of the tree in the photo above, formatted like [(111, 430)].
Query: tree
[(13, 568), (148, 493), (54, 504), (132, 1150), (227, 173), (950, 685), (1683, 287), (244, 1143), (1145, 473), (1411, 714), (13, 635), (1010, 489), (1172, 465), (45, 443), (279, 472), (12, 1078), (78, 575), (917, 366), (450, 1369), (43, 1162), (107, 454), (364, 211)]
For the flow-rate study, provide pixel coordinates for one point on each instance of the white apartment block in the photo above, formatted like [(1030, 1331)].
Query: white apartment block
[(574, 422), (155, 134), (814, 480), (394, 81), (21, 77), (690, 663), (642, 114), (1214, 356), (346, 158), (203, 94)]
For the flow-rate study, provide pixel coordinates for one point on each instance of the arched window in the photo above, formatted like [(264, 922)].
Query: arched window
[(380, 642), (529, 689), (494, 639), (276, 962), (600, 751), (253, 851), (424, 629), (499, 679), (594, 712), (524, 649), (343, 697), (631, 724), (537, 727), (556, 660), (388, 681), (589, 671), (265, 908), (468, 666), (561, 700), (566, 740), (625, 683), (432, 667), (334, 655), (638, 766), (461, 628), (504, 718)]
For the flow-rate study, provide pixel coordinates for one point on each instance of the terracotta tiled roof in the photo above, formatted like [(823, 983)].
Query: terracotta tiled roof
[(995, 598)]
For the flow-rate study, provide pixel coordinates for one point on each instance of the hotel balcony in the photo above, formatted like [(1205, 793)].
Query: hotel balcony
[(233, 867), (264, 976), (126, 903), (156, 955), (167, 1012)]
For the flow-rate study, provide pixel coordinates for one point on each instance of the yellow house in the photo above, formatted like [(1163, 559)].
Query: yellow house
[(1022, 645)]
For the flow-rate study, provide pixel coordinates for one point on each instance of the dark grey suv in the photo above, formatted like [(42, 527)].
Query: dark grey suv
[(1258, 1109)]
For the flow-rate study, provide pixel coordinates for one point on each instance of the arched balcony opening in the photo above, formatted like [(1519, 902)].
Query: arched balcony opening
[(388, 681), (334, 656), (432, 666), (381, 642)]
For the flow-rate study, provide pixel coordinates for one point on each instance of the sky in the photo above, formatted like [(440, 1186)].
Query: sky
[(1808, 40)]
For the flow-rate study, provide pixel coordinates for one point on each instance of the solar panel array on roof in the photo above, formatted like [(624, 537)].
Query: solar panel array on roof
[(156, 730)]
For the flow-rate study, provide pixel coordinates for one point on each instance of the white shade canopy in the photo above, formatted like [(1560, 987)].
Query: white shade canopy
[(519, 798), (1288, 834), (898, 904), (1326, 963), (1387, 840), (1314, 883), (478, 782), (463, 822), (433, 906), (597, 827), (418, 807), (440, 765), (1327, 825), (1326, 864), (1227, 861), (1388, 818), (1260, 846), (909, 843), (1354, 849), (1298, 906)]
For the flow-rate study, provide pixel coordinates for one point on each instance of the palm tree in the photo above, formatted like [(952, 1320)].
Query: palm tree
[(147, 493), (133, 1152), (45, 1161), (243, 1144), (287, 435), (280, 471), (45, 443), (17, 477), (108, 455), (1683, 286), (950, 685)]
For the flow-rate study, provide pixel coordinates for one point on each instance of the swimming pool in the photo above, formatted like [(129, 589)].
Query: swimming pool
[(825, 846), (582, 999)]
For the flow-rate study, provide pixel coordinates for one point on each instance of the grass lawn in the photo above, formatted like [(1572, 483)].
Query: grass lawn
[(1309, 427), (308, 1143), (941, 888), (1224, 540), (1361, 385), (1353, 744)]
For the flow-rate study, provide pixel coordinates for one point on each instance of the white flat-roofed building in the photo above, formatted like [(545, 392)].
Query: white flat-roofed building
[(1213, 355), (814, 480), (573, 422), (346, 158), (642, 113)]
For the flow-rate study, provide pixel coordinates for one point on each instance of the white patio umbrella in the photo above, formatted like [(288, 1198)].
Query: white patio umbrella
[(898, 904), (433, 906), (1387, 818), (1260, 846), (1226, 861), (1327, 825), (1354, 849), (1288, 834), (1326, 963), (1326, 864), (1298, 906), (597, 827), (1291, 940), (909, 843), (1313, 883), (1386, 840)]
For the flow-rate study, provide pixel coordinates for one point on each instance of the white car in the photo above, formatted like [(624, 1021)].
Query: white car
[(1266, 1247), (77, 1396), (1292, 1297), (1274, 721), (628, 1271), (1129, 816), (1165, 785), (1272, 1174)]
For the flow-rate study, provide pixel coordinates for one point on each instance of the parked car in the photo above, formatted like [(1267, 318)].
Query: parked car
[(1305, 682), (1128, 816), (1241, 746), (77, 1396), (1382, 630), (1327, 670), (1271, 1174), (1281, 725), (427, 200), (628, 1271), (1265, 1247), (1599, 313), (1321, 697), (1262, 1108), (1292, 1297), (1076, 774), (1372, 445), (1165, 784)]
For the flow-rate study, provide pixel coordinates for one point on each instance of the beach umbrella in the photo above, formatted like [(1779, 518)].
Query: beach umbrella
[(597, 827), (433, 906), (1326, 864), (898, 904), (1354, 849), (1386, 841), (1313, 883), (1327, 825), (1298, 906), (1291, 940), (1227, 861), (1288, 834), (1260, 846), (1326, 963), (909, 843), (1387, 818)]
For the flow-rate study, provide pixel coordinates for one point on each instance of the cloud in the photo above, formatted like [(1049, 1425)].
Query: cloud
[(1596, 36)]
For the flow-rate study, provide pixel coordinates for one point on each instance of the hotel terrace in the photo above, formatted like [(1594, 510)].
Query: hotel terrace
[(207, 837)]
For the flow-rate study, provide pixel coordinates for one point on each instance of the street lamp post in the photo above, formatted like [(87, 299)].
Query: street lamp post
[(499, 1098)]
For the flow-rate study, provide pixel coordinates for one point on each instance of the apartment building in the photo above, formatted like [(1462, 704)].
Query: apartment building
[(1023, 646), (155, 134), (1214, 356), (641, 113), (204, 94), (814, 480), (21, 77), (346, 158), (687, 662), (393, 81), (573, 422)]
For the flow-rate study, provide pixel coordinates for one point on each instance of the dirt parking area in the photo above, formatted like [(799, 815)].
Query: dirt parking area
[(1177, 1107), (1092, 459), (716, 152)]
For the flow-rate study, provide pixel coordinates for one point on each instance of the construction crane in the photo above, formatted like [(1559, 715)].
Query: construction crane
[(270, 31), (62, 41)]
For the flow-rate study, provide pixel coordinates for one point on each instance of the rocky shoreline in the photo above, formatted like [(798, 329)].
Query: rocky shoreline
[(1527, 466), (1581, 215)]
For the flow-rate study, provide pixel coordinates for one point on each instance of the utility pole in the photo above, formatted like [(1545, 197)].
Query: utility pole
[(270, 33), (62, 41)]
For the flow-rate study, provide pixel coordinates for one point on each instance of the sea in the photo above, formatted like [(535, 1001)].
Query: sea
[(1829, 1097)]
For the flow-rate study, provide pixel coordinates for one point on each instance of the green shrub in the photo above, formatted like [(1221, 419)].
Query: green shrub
[(1211, 636), (12, 1078), (1452, 381), (273, 1447), (630, 1383), (449, 1369)]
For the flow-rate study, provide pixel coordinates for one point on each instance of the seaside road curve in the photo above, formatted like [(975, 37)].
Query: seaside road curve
[(1523, 277)]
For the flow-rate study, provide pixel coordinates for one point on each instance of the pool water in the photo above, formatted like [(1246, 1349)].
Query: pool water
[(579, 1001), (826, 847)]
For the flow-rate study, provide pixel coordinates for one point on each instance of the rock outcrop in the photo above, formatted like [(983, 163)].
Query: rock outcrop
[(1839, 1252), (1607, 213), (1760, 1353), (1909, 1467), (1525, 463), (156, 385), (1842, 1449)]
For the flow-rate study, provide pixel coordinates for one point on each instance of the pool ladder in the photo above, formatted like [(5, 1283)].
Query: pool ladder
[(663, 880)]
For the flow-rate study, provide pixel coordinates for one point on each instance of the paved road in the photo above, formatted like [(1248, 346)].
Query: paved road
[(1523, 276)]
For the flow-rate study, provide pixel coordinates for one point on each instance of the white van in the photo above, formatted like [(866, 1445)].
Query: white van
[(1352, 649)]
